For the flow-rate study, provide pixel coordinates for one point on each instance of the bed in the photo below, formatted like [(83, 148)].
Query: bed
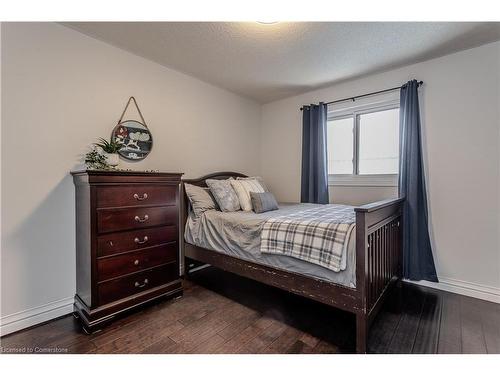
[(370, 264)]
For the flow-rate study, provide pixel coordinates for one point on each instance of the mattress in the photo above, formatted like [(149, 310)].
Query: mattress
[(237, 234)]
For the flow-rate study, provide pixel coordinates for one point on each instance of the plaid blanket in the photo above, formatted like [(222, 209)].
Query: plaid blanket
[(317, 235)]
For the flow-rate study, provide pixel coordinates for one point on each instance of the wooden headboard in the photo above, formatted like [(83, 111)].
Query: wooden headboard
[(184, 202), (212, 176)]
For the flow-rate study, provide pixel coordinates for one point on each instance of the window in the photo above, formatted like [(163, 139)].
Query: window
[(363, 145)]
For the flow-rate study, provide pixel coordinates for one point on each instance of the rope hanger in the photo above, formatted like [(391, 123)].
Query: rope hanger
[(138, 110)]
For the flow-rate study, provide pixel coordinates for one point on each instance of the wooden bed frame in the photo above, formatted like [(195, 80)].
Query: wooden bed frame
[(378, 262)]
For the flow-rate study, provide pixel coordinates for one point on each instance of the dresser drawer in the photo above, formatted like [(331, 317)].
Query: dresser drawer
[(115, 219), (136, 195), (134, 261), (120, 242), (113, 290)]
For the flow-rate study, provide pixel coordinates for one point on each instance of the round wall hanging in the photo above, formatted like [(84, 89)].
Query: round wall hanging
[(134, 136)]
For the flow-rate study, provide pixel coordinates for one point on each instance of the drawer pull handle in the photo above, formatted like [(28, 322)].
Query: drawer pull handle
[(141, 220), (137, 285), (136, 262), (111, 243), (144, 196), (138, 241)]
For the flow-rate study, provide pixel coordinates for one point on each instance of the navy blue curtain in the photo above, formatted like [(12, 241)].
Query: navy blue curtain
[(314, 182), (418, 262)]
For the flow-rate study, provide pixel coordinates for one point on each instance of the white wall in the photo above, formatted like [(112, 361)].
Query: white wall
[(459, 105), (62, 90), (359, 195)]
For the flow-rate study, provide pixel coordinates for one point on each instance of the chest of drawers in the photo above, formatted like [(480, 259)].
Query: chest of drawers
[(127, 242)]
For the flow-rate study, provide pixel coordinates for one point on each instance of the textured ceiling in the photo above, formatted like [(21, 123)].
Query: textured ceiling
[(270, 62)]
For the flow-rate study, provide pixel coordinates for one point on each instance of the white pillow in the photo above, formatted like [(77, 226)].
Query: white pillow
[(243, 189), (258, 178)]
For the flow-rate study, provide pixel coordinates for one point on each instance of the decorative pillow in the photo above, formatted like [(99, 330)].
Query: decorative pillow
[(258, 178), (263, 202), (224, 194), (243, 189), (200, 198)]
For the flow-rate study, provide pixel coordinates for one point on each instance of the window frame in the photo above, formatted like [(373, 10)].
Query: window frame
[(357, 179)]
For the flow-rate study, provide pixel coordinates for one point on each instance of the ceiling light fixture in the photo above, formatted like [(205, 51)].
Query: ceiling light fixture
[(267, 22)]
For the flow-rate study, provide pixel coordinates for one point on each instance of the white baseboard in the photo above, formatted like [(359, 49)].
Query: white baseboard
[(466, 288), (27, 318)]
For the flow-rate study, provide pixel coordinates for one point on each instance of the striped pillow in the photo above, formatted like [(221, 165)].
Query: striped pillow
[(243, 189), (258, 178)]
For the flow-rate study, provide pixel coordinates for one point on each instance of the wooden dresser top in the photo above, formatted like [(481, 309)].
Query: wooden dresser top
[(95, 172), (100, 176)]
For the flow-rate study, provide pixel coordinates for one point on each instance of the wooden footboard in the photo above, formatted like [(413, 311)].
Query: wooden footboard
[(378, 259)]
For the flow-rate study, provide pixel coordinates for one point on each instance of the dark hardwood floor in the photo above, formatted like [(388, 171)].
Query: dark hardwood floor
[(225, 313)]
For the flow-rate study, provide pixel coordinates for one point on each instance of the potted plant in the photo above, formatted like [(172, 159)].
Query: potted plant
[(96, 160), (110, 149)]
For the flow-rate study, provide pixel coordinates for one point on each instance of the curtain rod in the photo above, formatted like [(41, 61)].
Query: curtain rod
[(353, 98)]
